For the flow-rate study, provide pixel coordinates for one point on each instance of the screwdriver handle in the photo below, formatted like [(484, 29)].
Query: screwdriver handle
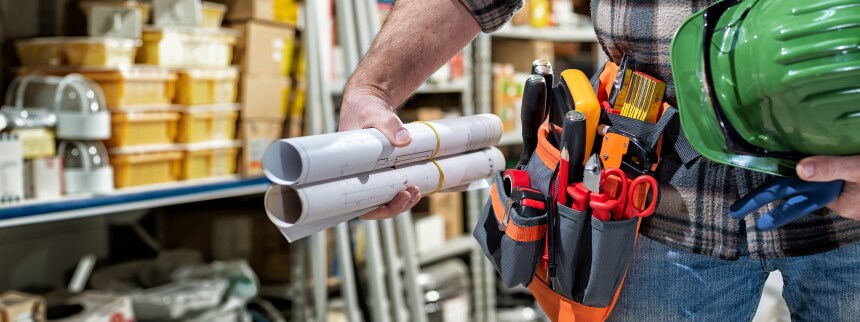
[(532, 114), (573, 138)]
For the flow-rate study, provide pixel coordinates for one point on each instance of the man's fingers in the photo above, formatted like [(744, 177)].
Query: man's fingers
[(391, 209), (416, 196), (829, 168)]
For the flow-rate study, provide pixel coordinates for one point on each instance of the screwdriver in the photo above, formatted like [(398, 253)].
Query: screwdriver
[(573, 140), (532, 114)]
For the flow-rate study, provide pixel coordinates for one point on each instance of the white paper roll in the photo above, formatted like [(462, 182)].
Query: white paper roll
[(297, 210), (316, 158)]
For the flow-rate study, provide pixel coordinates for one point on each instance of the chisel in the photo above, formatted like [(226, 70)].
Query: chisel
[(532, 114)]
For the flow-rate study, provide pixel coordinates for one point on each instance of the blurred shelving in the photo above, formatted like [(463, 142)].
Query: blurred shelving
[(37, 211)]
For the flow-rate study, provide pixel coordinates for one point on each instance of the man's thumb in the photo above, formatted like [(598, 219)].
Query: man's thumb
[(829, 168), (393, 130)]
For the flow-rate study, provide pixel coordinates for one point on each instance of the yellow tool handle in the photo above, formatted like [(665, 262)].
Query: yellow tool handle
[(585, 101)]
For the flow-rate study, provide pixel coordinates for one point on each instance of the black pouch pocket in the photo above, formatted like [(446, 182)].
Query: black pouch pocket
[(568, 248), (513, 243), (611, 250)]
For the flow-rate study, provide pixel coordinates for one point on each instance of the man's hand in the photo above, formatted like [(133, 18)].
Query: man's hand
[(830, 168), (361, 110), (416, 39)]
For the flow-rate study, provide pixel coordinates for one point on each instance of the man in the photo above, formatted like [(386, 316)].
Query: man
[(697, 263)]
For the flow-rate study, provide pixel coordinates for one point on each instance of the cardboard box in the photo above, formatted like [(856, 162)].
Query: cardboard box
[(264, 48), (100, 307), (264, 96), (256, 135), (423, 113), (448, 205), (44, 178), (523, 16), (282, 11), (521, 53), (21, 307)]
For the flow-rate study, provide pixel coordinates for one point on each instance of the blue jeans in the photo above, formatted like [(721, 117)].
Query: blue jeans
[(665, 284)]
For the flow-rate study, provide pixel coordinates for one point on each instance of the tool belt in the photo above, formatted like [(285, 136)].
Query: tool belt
[(591, 255)]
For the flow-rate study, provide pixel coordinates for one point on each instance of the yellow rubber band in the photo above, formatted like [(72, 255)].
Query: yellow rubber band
[(438, 139), (433, 156), (441, 177)]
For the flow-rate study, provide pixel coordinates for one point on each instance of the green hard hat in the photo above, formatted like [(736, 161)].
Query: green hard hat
[(780, 80)]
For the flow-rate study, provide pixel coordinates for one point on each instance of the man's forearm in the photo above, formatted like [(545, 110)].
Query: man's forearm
[(418, 37)]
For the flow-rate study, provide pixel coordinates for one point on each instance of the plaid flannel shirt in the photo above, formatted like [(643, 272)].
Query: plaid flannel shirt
[(693, 214)]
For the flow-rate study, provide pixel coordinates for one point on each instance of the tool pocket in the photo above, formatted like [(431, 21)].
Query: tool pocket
[(512, 241), (568, 245), (611, 249)]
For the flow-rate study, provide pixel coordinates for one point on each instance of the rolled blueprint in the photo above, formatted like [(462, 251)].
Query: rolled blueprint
[(316, 158), (303, 210)]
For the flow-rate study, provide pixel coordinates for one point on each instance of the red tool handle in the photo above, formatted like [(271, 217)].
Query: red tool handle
[(579, 193), (638, 196)]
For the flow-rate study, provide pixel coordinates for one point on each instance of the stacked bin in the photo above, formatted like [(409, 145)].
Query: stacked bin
[(201, 121), (265, 53), (171, 91)]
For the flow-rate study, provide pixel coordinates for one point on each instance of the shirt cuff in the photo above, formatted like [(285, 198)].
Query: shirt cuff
[(492, 14)]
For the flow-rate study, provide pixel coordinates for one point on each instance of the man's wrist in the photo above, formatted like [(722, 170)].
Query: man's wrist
[(353, 90)]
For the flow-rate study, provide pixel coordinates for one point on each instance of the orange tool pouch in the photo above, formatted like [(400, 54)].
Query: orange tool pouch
[(591, 255)]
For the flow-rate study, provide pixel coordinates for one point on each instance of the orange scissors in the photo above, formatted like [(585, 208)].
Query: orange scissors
[(620, 198)]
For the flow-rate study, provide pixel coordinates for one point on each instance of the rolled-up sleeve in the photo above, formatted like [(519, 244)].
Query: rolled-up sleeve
[(492, 14)]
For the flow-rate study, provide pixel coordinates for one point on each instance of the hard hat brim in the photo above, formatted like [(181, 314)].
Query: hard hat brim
[(698, 119)]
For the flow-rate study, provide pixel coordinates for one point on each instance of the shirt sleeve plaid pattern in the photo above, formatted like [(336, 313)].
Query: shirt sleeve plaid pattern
[(492, 14)]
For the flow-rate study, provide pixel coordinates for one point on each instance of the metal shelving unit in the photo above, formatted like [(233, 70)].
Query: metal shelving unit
[(426, 88), (583, 32), (32, 212), (450, 248)]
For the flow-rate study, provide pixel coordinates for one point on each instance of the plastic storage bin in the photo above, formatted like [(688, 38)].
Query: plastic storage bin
[(213, 14), (32, 127), (86, 167), (76, 101), (77, 51), (209, 123), (137, 167), (187, 47), (143, 128), (196, 86), (206, 160), (134, 86), (143, 7)]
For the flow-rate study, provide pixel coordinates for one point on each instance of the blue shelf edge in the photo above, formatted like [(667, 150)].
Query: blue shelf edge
[(98, 201)]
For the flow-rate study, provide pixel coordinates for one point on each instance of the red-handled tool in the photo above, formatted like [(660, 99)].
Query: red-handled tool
[(608, 203), (513, 178)]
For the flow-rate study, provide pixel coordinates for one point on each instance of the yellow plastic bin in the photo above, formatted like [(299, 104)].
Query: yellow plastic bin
[(199, 86), (143, 128), (77, 51), (213, 14), (211, 159), (137, 167), (187, 47), (208, 123), (134, 86)]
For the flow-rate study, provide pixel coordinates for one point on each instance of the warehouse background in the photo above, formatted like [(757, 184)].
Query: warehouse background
[(184, 207)]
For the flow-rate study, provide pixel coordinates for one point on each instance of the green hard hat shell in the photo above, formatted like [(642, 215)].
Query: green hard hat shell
[(786, 73)]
